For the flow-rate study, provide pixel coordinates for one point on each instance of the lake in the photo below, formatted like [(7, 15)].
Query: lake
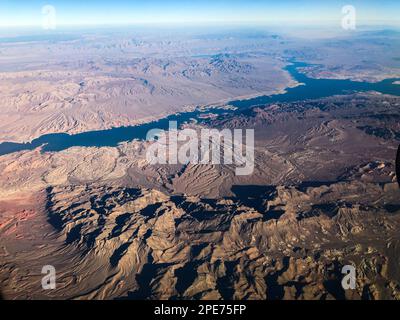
[(312, 89)]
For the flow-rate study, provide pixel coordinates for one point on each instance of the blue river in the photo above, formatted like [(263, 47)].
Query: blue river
[(311, 89)]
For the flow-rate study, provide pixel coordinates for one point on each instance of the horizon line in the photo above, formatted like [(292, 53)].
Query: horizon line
[(288, 23)]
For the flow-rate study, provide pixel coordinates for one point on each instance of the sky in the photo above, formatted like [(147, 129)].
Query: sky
[(120, 12)]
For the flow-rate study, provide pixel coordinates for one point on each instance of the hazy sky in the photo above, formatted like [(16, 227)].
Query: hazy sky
[(82, 12)]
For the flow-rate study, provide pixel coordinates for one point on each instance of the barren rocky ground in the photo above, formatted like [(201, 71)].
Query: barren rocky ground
[(125, 229), (323, 193)]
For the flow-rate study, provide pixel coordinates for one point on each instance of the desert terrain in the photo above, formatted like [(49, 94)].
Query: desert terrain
[(323, 193)]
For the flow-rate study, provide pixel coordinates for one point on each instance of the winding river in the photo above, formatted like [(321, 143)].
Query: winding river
[(311, 89)]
